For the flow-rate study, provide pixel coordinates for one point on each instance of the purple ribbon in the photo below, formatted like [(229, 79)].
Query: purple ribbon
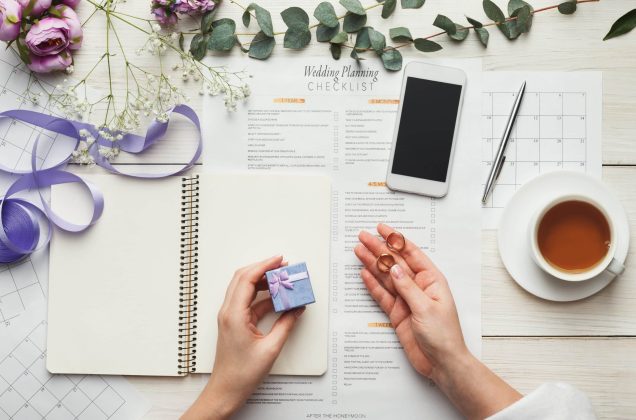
[(281, 278), (20, 219)]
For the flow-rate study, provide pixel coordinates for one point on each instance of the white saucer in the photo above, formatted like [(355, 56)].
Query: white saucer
[(514, 243)]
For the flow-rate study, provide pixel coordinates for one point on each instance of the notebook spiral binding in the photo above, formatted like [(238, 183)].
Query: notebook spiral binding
[(188, 277)]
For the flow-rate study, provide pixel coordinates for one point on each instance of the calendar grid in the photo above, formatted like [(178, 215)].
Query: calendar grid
[(20, 285), (28, 390), (550, 133)]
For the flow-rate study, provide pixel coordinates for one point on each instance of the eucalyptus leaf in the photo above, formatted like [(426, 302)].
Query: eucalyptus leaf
[(567, 7), (336, 51), (483, 35), (263, 18), (355, 56), (412, 4), (181, 41), (623, 25), (400, 34), (510, 30), (460, 33), (296, 38), (340, 38), (199, 45), (517, 4), (392, 59), (363, 42), (493, 11), (222, 37), (207, 19), (445, 24), (378, 41), (426, 45), (475, 23), (353, 6), (326, 15), (353, 22), (388, 8), (524, 19), (325, 33), (262, 46), (295, 17)]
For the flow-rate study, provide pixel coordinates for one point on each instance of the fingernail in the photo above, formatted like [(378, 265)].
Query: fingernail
[(299, 312), (396, 272)]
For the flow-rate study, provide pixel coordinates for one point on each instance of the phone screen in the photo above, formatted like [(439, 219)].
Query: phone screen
[(427, 124)]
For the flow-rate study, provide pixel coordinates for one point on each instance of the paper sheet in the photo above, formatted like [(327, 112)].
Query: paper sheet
[(310, 119), (29, 391), (558, 127)]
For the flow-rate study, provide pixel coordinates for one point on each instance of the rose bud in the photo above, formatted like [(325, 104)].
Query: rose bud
[(49, 63), (10, 18), (75, 32), (39, 7), (49, 36)]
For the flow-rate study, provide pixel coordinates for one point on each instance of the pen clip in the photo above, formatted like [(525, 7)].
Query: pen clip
[(499, 168)]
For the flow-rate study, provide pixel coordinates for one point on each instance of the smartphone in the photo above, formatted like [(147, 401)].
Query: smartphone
[(426, 129)]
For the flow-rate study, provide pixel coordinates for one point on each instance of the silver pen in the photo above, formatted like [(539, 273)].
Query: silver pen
[(497, 164)]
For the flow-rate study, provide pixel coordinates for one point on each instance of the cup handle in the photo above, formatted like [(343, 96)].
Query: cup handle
[(615, 267)]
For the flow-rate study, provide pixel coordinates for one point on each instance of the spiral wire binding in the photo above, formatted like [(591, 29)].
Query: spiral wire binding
[(188, 277)]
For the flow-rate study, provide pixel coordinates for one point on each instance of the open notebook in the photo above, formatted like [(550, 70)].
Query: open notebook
[(134, 293)]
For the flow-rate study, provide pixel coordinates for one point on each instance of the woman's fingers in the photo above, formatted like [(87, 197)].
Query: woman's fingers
[(260, 309), (384, 299), (245, 287), (416, 259), (369, 260), (378, 247), (283, 327), (406, 287)]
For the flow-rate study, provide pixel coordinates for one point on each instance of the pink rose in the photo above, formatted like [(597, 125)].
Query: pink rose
[(50, 63), (49, 36), (75, 32), (163, 17), (10, 18), (71, 3), (194, 6), (38, 8)]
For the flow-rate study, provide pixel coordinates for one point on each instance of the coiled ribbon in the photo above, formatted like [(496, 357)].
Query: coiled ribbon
[(20, 219)]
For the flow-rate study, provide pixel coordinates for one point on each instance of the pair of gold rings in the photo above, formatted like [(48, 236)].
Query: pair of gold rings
[(395, 242)]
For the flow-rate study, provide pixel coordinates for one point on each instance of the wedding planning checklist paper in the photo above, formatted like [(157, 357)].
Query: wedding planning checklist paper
[(337, 118)]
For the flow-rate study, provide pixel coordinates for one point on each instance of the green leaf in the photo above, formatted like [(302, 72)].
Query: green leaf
[(263, 18), (623, 25), (296, 38), (460, 33), (445, 24), (493, 11), (325, 33), (340, 38), (517, 4), (524, 19), (475, 23), (54, 12), (198, 46), (295, 17), (567, 7), (355, 56), (400, 34), (353, 6), (426, 45), (336, 51), (388, 8), (207, 19), (363, 41), (326, 15), (222, 37), (483, 35), (378, 41), (412, 4), (392, 59), (181, 41), (262, 46), (353, 22)]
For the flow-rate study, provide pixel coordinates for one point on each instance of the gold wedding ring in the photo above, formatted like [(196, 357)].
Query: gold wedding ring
[(385, 262), (395, 242)]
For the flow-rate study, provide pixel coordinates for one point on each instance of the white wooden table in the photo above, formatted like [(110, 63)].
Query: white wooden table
[(591, 343)]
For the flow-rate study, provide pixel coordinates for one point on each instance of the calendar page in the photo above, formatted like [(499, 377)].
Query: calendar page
[(558, 127)]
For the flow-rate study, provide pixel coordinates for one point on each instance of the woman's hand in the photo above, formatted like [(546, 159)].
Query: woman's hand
[(244, 355), (416, 297)]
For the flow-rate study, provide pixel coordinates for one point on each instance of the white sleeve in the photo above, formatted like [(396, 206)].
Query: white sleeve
[(551, 401)]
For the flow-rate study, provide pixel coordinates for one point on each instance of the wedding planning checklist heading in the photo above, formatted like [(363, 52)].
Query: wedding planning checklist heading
[(337, 119)]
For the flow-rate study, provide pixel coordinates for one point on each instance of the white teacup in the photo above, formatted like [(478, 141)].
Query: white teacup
[(608, 263)]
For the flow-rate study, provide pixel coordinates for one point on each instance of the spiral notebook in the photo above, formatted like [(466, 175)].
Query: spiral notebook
[(138, 293)]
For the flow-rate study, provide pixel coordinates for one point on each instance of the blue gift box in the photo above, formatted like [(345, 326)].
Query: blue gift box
[(290, 287)]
